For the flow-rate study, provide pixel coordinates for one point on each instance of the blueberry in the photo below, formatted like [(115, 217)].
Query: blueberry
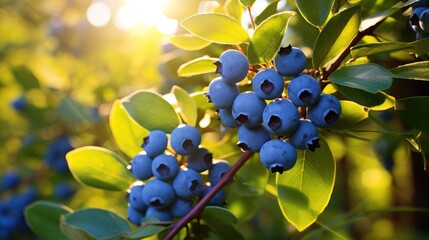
[(424, 20), (158, 194), (290, 61), (247, 109), (414, 19), (165, 167), (306, 136), (252, 138), (232, 66), (304, 90), (421, 3), (187, 184), (185, 139), (10, 179), (63, 190), (225, 115), (55, 155), (217, 200), (219, 168), (222, 94), (135, 216), (278, 155), (141, 166), (200, 160), (268, 84), (19, 104), (135, 197), (281, 117), (326, 111), (180, 207), (155, 143), (164, 215)]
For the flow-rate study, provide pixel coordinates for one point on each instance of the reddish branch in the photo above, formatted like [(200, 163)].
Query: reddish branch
[(196, 211)]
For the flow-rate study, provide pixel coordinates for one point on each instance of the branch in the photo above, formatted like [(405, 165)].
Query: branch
[(196, 211)]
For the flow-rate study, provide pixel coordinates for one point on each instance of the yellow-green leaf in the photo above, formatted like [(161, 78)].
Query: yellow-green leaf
[(197, 66), (187, 105), (189, 42)]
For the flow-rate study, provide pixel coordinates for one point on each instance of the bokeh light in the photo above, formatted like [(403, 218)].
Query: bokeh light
[(98, 14)]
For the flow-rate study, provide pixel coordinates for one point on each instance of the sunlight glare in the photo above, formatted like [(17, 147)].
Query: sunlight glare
[(98, 14)]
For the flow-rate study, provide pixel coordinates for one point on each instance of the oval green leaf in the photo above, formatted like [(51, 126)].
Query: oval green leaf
[(189, 42), (315, 12), (44, 218), (234, 9), (351, 114), (100, 168), (127, 133), (336, 36), (214, 27), (218, 214), (377, 48), (197, 66), (368, 77), (202, 101), (361, 97), (151, 111), (188, 107), (413, 71), (270, 10), (98, 223), (305, 190), (414, 112), (268, 37)]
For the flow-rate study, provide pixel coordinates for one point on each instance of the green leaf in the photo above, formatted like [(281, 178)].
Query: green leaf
[(251, 179), (146, 229), (270, 10), (413, 71), (97, 223), (189, 42), (351, 114), (187, 105), (214, 27), (315, 12), (218, 214), (234, 9), (305, 190), (368, 77), (151, 111), (202, 101), (74, 111), (127, 133), (44, 217), (225, 231), (25, 77), (336, 35), (247, 3), (418, 47), (197, 66), (362, 97), (414, 111), (380, 16), (100, 168), (268, 37)]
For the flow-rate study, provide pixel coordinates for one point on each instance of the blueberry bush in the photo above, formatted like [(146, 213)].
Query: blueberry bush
[(299, 119)]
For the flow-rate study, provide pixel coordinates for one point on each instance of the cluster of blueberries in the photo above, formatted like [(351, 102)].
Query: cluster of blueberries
[(170, 181), (264, 112), (419, 19)]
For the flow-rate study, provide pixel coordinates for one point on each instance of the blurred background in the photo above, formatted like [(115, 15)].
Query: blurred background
[(64, 62)]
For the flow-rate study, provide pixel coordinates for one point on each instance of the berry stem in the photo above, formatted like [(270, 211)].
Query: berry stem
[(196, 211)]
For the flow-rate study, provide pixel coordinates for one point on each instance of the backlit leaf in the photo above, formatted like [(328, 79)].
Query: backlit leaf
[(189, 42), (247, 3), (315, 12), (187, 105), (418, 47), (197, 66), (351, 114), (234, 9), (362, 97), (413, 71), (270, 10)]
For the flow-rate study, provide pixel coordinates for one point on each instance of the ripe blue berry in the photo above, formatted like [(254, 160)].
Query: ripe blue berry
[(55, 155), (180, 207), (247, 109), (225, 115), (232, 66), (185, 139), (306, 136), (290, 61), (278, 155), (219, 168), (222, 94), (63, 190), (158, 194), (155, 143), (268, 84), (188, 184), (304, 90), (414, 19), (135, 197), (10, 179), (141, 166), (165, 167), (326, 111), (424, 20), (19, 104), (200, 160), (217, 200), (281, 117), (252, 138), (164, 215), (134, 215), (421, 3)]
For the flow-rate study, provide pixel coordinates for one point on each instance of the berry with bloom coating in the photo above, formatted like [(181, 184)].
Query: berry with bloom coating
[(326, 111), (268, 84), (290, 61), (281, 117), (232, 66), (135, 197), (188, 184), (424, 20), (141, 166), (222, 94), (158, 194), (225, 115), (278, 155), (217, 200), (219, 168), (304, 90), (185, 139), (252, 138), (200, 160), (247, 109), (135, 216), (164, 215), (180, 207), (165, 167), (306, 136), (155, 143)]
